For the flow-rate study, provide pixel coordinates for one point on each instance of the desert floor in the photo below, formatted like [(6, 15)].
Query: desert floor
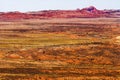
[(60, 49)]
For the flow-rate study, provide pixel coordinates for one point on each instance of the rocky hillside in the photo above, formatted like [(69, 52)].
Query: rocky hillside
[(89, 12), (113, 13)]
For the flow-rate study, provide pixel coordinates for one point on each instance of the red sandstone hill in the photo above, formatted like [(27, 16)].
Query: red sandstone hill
[(89, 12)]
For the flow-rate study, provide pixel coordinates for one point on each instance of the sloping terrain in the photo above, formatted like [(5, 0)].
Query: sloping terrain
[(90, 12), (113, 13)]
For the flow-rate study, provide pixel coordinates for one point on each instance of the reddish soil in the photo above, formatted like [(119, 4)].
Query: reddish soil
[(90, 12)]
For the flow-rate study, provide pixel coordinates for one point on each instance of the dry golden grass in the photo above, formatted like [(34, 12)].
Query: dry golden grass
[(60, 49)]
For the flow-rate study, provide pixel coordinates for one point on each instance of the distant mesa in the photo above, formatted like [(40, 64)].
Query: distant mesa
[(89, 12), (91, 8)]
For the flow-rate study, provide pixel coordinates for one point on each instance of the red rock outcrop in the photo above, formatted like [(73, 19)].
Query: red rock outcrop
[(89, 12)]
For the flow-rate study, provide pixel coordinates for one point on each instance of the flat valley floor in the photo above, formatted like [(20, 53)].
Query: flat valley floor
[(60, 49)]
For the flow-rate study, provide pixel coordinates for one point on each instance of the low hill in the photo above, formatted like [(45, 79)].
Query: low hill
[(89, 12)]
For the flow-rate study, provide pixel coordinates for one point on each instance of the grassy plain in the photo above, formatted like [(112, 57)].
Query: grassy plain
[(60, 49)]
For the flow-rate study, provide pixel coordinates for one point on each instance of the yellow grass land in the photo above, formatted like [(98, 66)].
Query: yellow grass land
[(60, 49)]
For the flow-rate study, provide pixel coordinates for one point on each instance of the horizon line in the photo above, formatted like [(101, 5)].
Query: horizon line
[(50, 9)]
